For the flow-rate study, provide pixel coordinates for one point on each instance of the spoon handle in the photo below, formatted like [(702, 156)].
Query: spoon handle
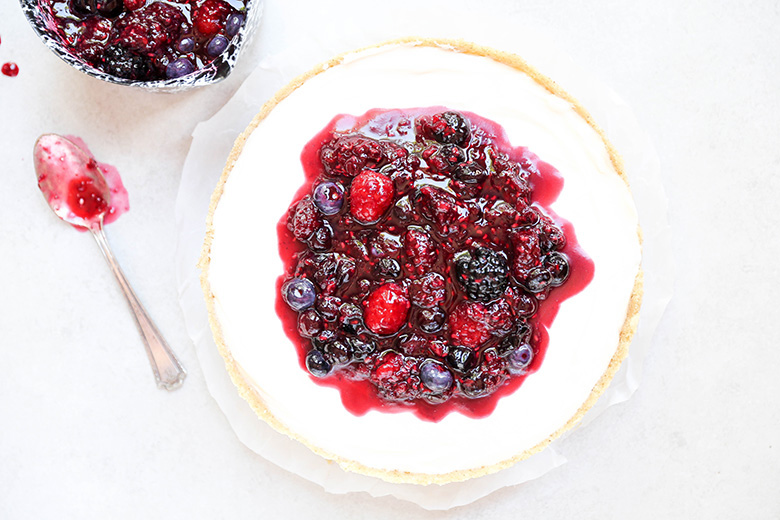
[(168, 370)]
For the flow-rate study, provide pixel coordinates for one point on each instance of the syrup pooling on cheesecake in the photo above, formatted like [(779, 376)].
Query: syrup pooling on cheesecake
[(423, 263)]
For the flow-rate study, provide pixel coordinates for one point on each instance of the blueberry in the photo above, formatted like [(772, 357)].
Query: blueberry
[(233, 24), (83, 7), (329, 307), (517, 338), (521, 357), (309, 323), (558, 265), (329, 197), (387, 268), (461, 358), (432, 320), (538, 280), (317, 363), (360, 348), (403, 208), (435, 376), (216, 46), (323, 338), (109, 8), (470, 173), (339, 352), (350, 318), (322, 239), (384, 244), (186, 44), (179, 68), (298, 293)]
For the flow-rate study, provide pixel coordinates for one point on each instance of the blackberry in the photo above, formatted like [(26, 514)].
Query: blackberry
[(445, 128), (461, 359), (120, 62), (483, 274)]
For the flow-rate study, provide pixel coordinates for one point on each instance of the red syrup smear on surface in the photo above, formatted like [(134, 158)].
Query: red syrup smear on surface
[(360, 396)]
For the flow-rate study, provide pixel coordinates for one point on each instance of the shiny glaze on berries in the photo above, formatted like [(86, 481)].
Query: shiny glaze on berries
[(460, 272)]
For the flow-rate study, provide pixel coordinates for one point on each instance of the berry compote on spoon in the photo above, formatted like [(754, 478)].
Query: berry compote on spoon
[(76, 189)]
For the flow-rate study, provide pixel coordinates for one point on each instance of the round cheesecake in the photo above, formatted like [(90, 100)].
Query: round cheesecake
[(241, 262)]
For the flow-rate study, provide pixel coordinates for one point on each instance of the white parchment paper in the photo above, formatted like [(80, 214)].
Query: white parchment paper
[(211, 144)]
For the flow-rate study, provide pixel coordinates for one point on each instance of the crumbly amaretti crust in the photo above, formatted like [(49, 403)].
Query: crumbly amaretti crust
[(248, 393)]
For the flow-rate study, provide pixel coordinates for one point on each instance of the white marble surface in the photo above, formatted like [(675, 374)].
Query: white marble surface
[(84, 433)]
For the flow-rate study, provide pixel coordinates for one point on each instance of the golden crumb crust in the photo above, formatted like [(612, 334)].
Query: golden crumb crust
[(246, 390)]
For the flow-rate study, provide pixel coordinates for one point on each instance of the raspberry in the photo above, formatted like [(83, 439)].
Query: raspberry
[(146, 31), (551, 237), (511, 180), (413, 345), (397, 377), (483, 274), (427, 292), (349, 155), (371, 194), (472, 324), (132, 5), (468, 326), (210, 17), (445, 128), (304, 220), (443, 159), (527, 252), (420, 250), (386, 309), (448, 215)]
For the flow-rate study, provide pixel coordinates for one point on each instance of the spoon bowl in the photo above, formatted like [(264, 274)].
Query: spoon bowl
[(71, 181)]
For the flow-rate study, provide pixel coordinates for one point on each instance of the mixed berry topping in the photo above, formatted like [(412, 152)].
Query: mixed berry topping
[(423, 261), (145, 40)]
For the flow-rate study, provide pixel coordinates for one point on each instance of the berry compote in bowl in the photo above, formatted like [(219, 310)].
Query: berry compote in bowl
[(162, 45)]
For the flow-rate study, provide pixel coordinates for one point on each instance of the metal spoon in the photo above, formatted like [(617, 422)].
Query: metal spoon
[(77, 191)]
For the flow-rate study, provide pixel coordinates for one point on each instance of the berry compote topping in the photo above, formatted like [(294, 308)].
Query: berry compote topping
[(145, 40), (423, 262)]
